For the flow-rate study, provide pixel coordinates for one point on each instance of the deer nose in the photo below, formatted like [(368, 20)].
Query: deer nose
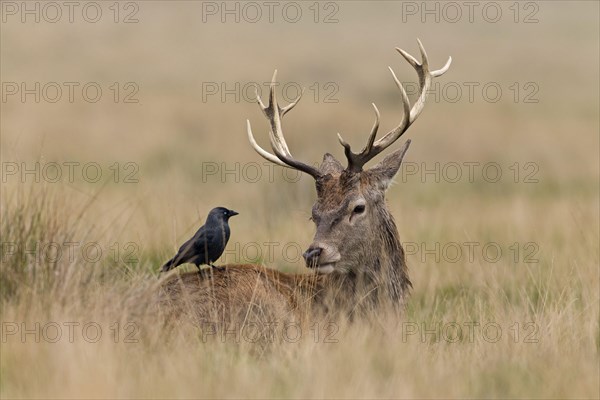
[(312, 256)]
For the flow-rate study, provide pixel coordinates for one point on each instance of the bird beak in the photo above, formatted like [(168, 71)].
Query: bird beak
[(232, 213)]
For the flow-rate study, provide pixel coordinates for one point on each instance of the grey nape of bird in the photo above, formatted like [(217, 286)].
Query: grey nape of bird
[(207, 245)]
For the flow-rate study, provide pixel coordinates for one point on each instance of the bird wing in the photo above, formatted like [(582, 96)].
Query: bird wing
[(190, 248), (200, 244), (202, 239)]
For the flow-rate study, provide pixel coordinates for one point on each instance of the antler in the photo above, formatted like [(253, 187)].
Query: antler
[(274, 113), (356, 161)]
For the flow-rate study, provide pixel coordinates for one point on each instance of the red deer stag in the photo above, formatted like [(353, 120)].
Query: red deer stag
[(356, 251)]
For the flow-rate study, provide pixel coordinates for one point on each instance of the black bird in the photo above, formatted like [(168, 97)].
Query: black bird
[(207, 245)]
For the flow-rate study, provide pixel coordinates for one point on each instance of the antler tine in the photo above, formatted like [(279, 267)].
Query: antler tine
[(357, 161), (442, 70), (265, 154), (425, 79), (356, 158), (287, 108), (274, 113), (374, 130)]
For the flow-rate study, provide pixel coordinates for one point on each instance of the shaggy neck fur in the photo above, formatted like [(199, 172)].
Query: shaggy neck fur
[(381, 275)]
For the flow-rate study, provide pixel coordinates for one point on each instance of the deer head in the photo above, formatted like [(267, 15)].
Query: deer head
[(355, 233)]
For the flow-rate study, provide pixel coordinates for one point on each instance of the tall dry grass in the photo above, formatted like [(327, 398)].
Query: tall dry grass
[(529, 322), (500, 330)]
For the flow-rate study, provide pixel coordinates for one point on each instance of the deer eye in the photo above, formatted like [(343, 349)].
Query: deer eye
[(359, 209)]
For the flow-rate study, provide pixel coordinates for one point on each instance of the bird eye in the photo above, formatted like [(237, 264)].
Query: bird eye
[(359, 209)]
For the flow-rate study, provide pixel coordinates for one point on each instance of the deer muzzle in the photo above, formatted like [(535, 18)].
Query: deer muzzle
[(311, 256), (321, 257)]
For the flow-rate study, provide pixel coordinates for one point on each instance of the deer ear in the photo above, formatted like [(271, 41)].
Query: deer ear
[(330, 165), (385, 171)]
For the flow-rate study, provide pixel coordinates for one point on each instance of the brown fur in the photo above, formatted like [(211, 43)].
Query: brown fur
[(356, 243), (371, 273)]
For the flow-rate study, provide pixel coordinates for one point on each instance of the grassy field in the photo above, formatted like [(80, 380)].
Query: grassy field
[(497, 204)]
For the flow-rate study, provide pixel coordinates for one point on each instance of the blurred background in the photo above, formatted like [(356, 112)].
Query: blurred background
[(124, 123), (153, 96)]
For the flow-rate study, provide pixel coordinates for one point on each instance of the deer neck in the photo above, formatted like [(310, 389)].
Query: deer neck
[(381, 276)]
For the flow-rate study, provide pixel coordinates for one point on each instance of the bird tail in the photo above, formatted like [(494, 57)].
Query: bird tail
[(168, 265)]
